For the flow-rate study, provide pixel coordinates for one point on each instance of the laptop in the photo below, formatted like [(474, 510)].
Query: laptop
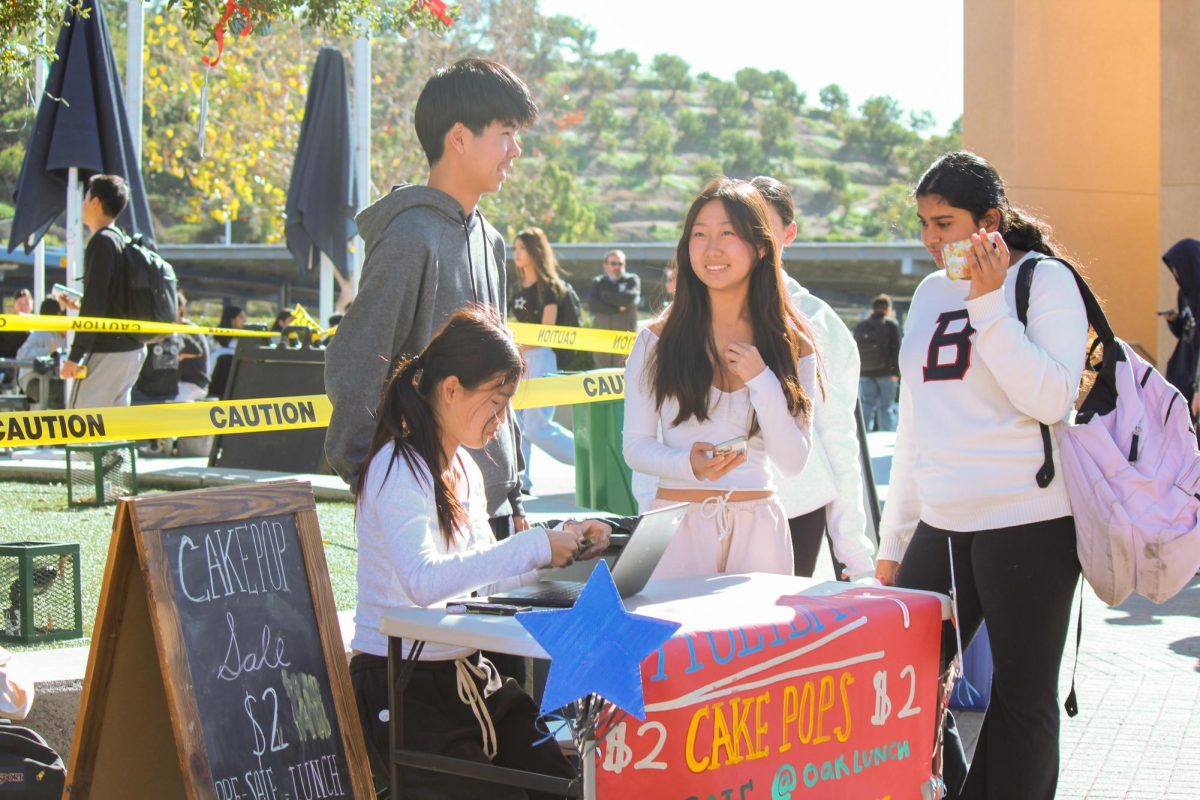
[(634, 567)]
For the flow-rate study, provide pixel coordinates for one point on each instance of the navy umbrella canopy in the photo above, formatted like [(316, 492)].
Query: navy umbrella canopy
[(80, 123), (320, 198)]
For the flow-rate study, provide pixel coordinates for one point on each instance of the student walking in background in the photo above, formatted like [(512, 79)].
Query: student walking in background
[(613, 301), (729, 373), (424, 537), (1183, 260), (827, 496), (537, 301), (878, 339), (977, 387)]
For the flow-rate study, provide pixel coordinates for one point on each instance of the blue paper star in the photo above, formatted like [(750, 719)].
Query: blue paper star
[(597, 646)]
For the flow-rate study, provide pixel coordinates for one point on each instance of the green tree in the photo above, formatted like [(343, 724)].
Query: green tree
[(893, 215), (777, 128), (673, 74), (24, 20), (626, 63), (657, 144), (603, 122), (706, 169), (692, 127), (920, 121), (549, 196), (724, 96), (754, 82), (784, 91), (834, 99), (741, 153)]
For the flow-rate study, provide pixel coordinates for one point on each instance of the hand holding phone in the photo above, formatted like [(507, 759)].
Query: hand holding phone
[(735, 445), (709, 466)]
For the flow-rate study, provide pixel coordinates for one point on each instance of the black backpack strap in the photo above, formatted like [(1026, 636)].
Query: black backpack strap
[(1071, 704), (1045, 473)]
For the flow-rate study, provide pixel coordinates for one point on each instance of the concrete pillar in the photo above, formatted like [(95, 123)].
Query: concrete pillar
[(1080, 105)]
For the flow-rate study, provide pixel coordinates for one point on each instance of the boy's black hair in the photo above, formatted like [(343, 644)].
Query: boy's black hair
[(475, 92), (111, 191)]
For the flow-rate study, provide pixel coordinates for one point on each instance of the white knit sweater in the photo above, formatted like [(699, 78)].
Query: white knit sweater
[(403, 559), (968, 444)]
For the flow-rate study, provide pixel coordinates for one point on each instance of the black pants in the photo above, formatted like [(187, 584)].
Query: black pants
[(437, 721), (808, 531), (1021, 581)]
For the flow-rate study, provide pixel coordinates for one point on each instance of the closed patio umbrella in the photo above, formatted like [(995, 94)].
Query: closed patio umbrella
[(80, 124), (320, 198)]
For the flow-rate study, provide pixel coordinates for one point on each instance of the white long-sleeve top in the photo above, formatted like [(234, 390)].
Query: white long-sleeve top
[(783, 439), (833, 476), (969, 443), (403, 559)]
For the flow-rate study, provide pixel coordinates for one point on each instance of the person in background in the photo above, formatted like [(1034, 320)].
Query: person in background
[(39, 345), (193, 360), (731, 363), (282, 320), (424, 538), (827, 496), (878, 340), (11, 341), (965, 499), (537, 302), (114, 360), (1183, 261), (613, 301), (220, 357)]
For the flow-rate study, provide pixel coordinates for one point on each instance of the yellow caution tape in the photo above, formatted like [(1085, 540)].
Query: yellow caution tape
[(32, 428), (28, 428), (567, 390), (591, 340), (49, 322)]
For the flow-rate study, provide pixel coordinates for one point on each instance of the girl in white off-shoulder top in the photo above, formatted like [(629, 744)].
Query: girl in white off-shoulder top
[(731, 359)]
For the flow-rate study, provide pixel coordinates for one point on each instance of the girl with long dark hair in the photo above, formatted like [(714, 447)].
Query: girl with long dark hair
[(541, 290), (731, 359), (968, 482), (424, 537)]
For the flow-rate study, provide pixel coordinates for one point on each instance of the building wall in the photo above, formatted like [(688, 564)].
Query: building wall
[(1065, 97)]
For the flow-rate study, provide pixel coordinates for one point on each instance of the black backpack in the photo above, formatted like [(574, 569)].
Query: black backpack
[(872, 337), (150, 288), (29, 767)]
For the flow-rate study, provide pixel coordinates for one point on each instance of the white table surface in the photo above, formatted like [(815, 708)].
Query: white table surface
[(713, 603)]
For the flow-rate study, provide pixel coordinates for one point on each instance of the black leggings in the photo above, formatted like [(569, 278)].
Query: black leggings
[(1021, 582), (808, 531), (437, 721)]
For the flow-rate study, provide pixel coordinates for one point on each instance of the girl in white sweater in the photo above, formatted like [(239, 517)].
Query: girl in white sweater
[(424, 537), (730, 359), (969, 466)]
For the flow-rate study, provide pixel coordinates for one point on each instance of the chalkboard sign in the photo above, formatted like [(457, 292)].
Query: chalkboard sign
[(249, 678)]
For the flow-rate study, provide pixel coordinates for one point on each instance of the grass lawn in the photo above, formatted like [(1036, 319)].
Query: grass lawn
[(38, 512)]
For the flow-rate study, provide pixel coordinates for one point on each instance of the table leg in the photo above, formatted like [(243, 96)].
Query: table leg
[(400, 669)]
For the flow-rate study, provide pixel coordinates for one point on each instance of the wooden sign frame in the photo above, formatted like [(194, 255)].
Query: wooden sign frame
[(139, 726)]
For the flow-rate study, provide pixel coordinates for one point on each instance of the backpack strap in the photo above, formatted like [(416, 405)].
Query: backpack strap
[(1045, 473), (1095, 317)]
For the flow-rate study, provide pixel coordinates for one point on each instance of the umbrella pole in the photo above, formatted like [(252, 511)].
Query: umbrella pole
[(325, 304), (74, 230), (39, 252)]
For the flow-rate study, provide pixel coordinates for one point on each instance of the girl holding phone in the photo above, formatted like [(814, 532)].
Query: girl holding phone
[(968, 482), (730, 358), (537, 302), (424, 537)]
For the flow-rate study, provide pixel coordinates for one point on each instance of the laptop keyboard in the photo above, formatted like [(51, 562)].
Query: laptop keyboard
[(563, 593)]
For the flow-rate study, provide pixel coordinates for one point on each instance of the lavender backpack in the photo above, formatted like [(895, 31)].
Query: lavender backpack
[(1132, 469)]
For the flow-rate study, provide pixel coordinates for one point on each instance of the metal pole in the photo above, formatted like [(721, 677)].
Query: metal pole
[(39, 252), (325, 303), (74, 230), (362, 143), (133, 78)]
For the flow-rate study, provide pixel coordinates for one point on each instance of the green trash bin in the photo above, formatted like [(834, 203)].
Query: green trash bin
[(602, 478)]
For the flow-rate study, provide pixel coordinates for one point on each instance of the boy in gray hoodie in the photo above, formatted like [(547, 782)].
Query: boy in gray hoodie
[(429, 252)]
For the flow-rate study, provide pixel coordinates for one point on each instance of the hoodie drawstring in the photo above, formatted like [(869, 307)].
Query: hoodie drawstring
[(470, 695)]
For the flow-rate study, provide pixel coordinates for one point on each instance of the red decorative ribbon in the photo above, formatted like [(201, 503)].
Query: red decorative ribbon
[(437, 8), (219, 30)]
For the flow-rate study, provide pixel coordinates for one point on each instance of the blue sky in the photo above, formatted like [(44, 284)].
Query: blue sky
[(911, 49)]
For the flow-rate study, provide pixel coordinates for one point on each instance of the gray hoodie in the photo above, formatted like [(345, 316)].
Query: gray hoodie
[(425, 260)]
